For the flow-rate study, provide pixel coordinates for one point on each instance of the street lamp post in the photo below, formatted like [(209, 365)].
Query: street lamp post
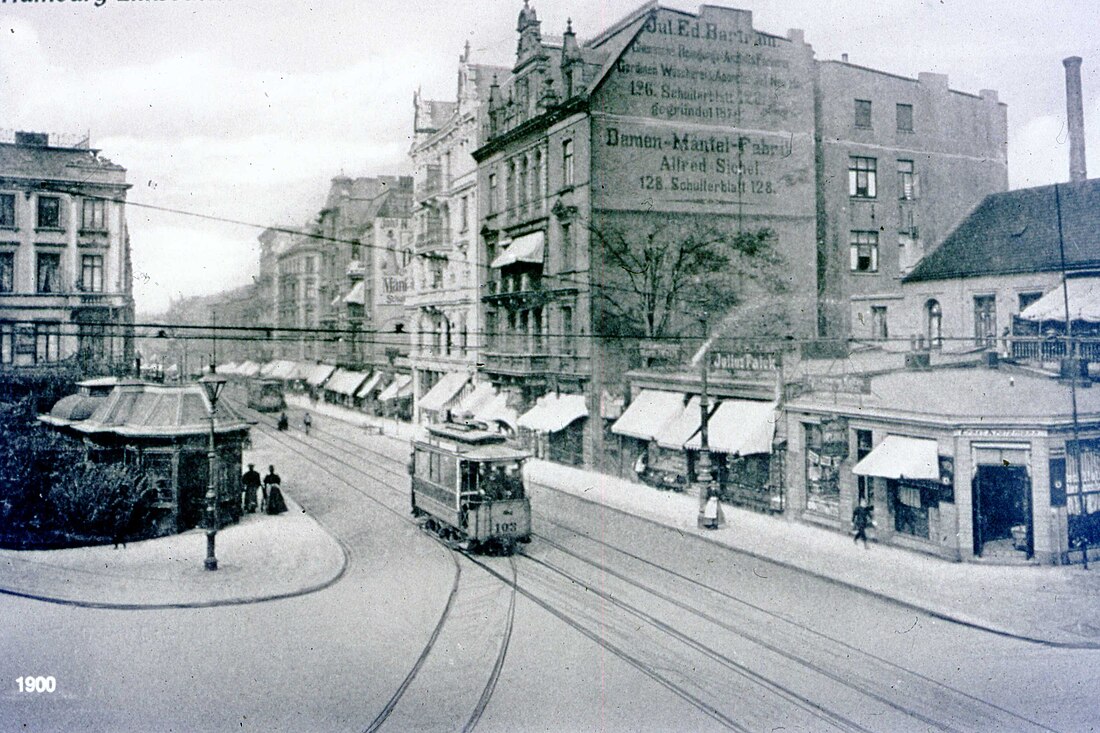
[(703, 467), (212, 383)]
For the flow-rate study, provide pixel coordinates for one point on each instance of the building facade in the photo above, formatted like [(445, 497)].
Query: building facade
[(299, 300), (65, 273), (444, 301), (668, 119)]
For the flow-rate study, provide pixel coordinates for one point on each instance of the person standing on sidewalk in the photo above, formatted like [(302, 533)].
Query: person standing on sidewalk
[(307, 422), (861, 520), (250, 482), (271, 480)]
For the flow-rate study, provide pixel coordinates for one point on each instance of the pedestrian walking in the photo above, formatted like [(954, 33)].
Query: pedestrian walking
[(307, 422), (862, 518), (250, 485), (272, 479)]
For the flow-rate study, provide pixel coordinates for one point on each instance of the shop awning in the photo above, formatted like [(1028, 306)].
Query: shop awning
[(444, 391), (283, 369), (401, 386), (898, 457), (247, 369), (345, 382), (739, 428), (677, 431), (318, 374), (497, 410), (553, 412), (369, 386), (1084, 302), (358, 294), (527, 248), (227, 368), (481, 396), (648, 413)]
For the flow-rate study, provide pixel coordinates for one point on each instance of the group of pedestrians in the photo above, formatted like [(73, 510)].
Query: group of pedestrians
[(271, 499)]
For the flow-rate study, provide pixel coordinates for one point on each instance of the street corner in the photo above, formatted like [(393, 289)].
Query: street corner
[(260, 559)]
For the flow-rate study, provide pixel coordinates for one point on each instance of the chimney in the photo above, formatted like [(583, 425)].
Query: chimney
[(1075, 117), (33, 139)]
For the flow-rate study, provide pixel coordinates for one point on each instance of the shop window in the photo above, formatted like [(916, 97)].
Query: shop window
[(863, 250), (862, 177), (985, 320), (910, 502), (863, 114), (49, 212), (7, 210), (1083, 491), (905, 117), (826, 448), (7, 272)]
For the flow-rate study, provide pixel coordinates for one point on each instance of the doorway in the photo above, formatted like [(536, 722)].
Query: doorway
[(1002, 510)]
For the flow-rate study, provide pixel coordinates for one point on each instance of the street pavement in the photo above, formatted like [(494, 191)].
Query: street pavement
[(272, 557)]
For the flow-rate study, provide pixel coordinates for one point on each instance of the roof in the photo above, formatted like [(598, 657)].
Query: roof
[(959, 396), (79, 165), (1017, 232)]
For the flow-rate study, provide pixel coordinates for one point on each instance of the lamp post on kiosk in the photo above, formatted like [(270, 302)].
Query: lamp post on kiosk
[(212, 383), (710, 516)]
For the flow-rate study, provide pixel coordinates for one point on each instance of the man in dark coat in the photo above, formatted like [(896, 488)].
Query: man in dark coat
[(250, 484), (861, 520)]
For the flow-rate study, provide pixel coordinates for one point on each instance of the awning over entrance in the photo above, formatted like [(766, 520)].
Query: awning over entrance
[(369, 386), (527, 248), (401, 386), (358, 295), (648, 413), (739, 428), (345, 382), (497, 410), (677, 431), (898, 457), (553, 412), (477, 400), (444, 391), (1084, 302), (318, 374)]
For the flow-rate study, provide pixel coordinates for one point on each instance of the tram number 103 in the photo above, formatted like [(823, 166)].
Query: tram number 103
[(505, 527), (36, 684)]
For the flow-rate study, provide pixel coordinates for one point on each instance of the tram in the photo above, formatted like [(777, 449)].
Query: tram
[(467, 486), (266, 395)]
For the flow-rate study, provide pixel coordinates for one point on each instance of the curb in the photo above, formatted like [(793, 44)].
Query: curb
[(879, 595)]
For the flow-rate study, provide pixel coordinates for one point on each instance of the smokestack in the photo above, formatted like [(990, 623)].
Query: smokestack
[(1075, 117)]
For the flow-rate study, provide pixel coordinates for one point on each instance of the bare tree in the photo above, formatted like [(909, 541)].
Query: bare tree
[(662, 277)]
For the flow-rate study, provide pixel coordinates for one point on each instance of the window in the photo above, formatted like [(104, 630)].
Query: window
[(510, 185), (46, 342), (933, 313), (908, 252), (863, 113), (862, 174), (91, 273), (566, 246), (355, 251), (1027, 299), (524, 191), (6, 338), (7, 272), (567, 345), (824, 454), (7, 210), (567, 162), (985, 320), (911, 501), (864, 252), (49, 272), (49, 212), (311, 265), (905, 118), (866, 484), (879, 329), (536, 179), (907, 182), (494, 194), (464, 214), (94, 216)]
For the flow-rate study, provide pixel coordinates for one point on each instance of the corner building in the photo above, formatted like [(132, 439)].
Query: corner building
[(670, 117)]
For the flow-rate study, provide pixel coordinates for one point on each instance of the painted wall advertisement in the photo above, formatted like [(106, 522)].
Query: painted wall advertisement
[(393, 271)]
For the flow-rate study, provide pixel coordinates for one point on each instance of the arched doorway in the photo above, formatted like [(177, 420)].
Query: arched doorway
[(934, 323)]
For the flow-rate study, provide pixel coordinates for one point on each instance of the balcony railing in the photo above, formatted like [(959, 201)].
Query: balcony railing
[(432, 237), (516, 363), (429, 184)]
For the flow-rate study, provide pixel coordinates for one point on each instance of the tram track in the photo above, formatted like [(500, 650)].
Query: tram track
[(881, 682), (453, 605)]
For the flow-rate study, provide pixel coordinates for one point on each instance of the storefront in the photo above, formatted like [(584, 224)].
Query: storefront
[(554, 428), (963, 463)]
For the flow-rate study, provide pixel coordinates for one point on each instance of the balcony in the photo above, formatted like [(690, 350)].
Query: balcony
[(429, 184), (517, 364), (432, 237), (356, 271)]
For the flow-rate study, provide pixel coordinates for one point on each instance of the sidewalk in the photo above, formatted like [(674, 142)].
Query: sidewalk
[(261, 558), (1054, 605)]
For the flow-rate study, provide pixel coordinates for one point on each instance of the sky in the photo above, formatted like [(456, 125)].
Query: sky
[(245, 109)]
